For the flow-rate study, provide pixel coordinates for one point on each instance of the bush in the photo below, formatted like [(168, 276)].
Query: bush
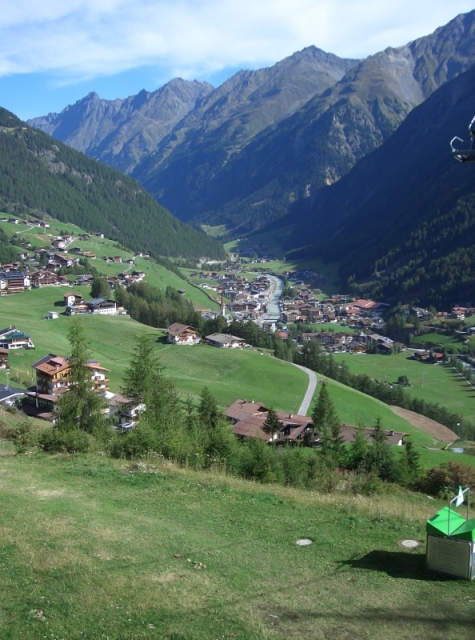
[(443, 481), (60, 441), (365, 484), (23, 437), (259, 462), (6, 432), (134, 443)]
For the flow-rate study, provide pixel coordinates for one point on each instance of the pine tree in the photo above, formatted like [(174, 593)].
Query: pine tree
[(100, 288), (409, 465), (358, 450), (80, 407), (380, 459), (145, 383), (208, 410), (272, 424), (327, 425)]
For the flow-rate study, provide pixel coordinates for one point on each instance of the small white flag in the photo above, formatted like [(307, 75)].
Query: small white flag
[(459, 500)]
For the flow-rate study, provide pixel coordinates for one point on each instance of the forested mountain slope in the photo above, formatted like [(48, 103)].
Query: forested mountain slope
[(401, 223), (43, 177)]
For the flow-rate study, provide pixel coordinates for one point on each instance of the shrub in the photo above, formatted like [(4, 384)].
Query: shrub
[(60, 441), (133, 443), (444, 480), (6, 432), (23, 437)]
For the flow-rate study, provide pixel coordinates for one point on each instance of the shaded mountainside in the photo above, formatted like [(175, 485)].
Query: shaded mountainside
[(43, 177), (401, 223), (325, 138), (207, 141), (120, 132)]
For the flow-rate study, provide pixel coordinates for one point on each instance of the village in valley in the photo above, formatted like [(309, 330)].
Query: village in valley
[(246, 292)]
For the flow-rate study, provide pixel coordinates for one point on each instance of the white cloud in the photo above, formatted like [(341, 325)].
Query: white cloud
[(76, 39)]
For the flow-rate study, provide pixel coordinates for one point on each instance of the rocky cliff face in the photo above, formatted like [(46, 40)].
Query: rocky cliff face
[(121, 132)]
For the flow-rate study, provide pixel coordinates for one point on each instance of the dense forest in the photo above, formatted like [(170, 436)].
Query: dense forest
[(44, 178)]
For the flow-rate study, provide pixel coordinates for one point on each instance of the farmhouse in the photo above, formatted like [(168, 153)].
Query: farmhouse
[(178, 333), (14, 282), (72, 299), (249, 419), (45, 278), (12, 338), (392, 437), (124, 411), (102, 306), (225, 340)]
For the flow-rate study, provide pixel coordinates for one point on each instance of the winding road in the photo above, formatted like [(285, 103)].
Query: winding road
[(312, 385)]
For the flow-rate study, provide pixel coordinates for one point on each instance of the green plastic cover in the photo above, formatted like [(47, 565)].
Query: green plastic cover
[(439, 524), (466, 531)]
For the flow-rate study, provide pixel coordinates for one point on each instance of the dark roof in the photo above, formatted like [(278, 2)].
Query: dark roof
[(392, 437), (7, 392)]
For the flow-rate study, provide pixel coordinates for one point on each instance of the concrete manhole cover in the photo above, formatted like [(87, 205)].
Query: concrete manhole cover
[(303, 542), (408, 544)]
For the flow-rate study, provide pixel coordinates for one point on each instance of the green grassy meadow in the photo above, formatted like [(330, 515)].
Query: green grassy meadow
[(108, 550), (228, 374), (432, 383)]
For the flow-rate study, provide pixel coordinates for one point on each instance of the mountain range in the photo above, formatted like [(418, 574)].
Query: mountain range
[(243, 153)]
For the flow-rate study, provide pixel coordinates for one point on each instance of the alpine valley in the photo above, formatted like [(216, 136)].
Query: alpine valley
[(305, 151)]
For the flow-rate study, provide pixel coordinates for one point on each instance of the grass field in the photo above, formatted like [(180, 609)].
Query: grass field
[(432, 383), (228, 374), (100, 549), (453, 343)]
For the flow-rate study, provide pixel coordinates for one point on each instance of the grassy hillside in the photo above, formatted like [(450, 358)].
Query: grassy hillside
[(440, 383), (228, 374), (156, 274), (94, 548)]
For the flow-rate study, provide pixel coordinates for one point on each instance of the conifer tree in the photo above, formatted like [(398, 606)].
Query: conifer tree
[(145, 383), (358, 450), (327, 425), (80, 407), (272, 424), (380, 459), (208, 410)]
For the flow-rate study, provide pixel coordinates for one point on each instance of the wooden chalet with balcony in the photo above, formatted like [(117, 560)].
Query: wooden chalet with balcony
[(53, 379), (178, 333), (13, 338)]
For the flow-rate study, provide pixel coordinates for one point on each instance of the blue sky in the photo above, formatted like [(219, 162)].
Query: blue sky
[(54, 52)]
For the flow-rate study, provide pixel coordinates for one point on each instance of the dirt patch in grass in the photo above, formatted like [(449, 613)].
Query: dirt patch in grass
[(433, 428)]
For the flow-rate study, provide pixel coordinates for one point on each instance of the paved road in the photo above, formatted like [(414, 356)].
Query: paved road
[(312, 385)]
